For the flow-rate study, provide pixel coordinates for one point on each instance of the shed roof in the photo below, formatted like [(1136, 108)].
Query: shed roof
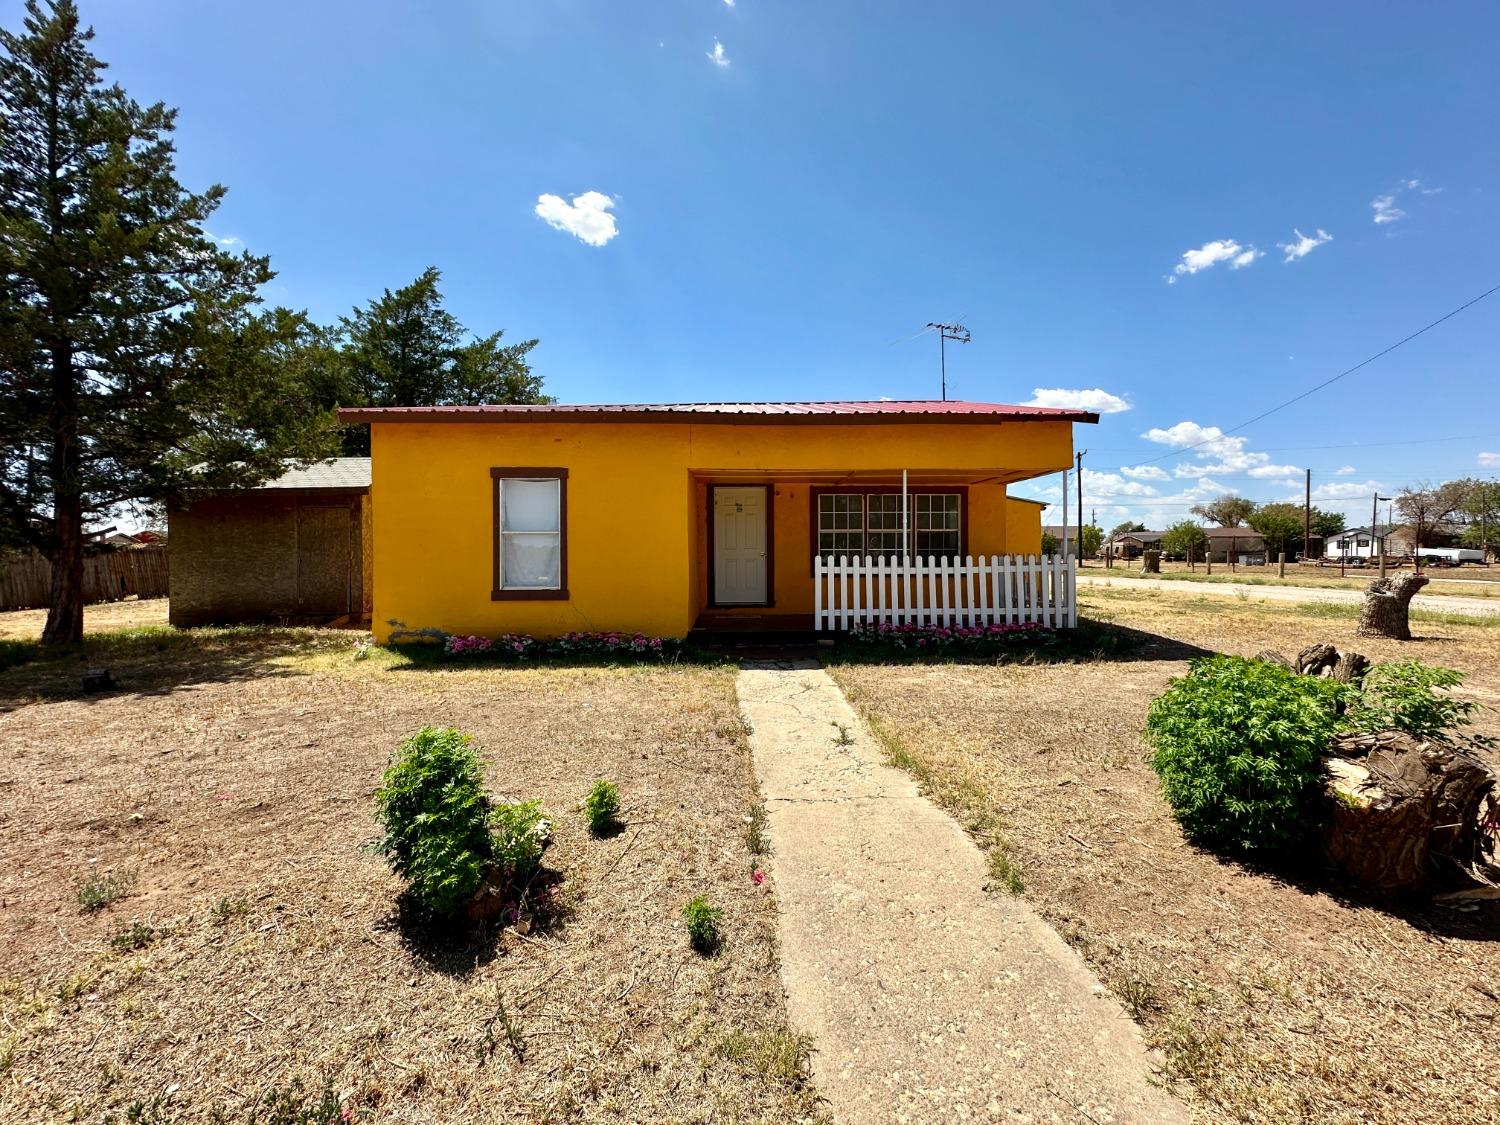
[(1029, 500), (923, 410), (338, 472)]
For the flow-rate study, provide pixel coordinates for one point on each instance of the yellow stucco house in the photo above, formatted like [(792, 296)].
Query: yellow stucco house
[(666, 518)]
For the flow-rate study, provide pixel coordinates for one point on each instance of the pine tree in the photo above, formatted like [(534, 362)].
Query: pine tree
[(136, 363), (405, 349)]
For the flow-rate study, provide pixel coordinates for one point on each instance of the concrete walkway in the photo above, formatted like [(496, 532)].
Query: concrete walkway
[(929, 999), (1470, 607)]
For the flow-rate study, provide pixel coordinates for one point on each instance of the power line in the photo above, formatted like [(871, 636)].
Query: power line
[(1330, 381)]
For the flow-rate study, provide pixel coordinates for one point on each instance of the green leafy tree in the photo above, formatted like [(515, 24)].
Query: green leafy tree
[(136, 362), (1185, 538), (1327, 524), (1090, 540), (1226, 511), (1280, 525), (1480, 512), (1051, 545), (1126, 528), (405, 349)]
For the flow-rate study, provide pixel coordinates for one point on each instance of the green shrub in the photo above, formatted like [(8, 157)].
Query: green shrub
[(436, 818), (601, 808), (521, 830), (103, 888), (703, 920), (1237, 747), (1410, 696)]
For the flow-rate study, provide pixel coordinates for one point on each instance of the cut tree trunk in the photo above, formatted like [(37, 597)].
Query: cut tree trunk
[(1410, 817), (1151, 562), (1387, 607)]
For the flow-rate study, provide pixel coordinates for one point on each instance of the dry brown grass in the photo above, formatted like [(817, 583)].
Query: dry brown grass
[(1271, 1000), (231, 779), (26, 624)]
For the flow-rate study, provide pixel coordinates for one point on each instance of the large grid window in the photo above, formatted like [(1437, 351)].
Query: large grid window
[(531, 538), (856, 524)]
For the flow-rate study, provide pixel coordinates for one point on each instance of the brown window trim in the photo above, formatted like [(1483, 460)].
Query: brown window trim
[(961, 491), (538, 595)]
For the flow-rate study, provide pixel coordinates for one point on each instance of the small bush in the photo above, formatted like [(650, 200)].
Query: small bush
[(521, 832), (601, 808), (1238, 747), (227, 908), (103, 888), (138, 936), (703, 920), (436, 818), (296, 1106), (1410, 696)]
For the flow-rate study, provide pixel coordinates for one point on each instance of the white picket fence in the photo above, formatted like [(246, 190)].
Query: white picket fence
[(848, 592)]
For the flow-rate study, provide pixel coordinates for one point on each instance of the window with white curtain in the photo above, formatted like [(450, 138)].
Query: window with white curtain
[(530, 532)]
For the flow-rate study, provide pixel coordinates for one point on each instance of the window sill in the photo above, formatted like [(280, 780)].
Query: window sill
[(528, 595)]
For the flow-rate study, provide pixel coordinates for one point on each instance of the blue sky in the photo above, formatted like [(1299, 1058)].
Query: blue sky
[(785, 192)]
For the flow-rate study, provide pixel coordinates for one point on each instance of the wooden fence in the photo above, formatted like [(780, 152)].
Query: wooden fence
[(938, 591), (109, 576)]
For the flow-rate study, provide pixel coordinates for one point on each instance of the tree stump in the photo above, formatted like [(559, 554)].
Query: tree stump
[(1150, 562), (1408, 816), (1387, 606)]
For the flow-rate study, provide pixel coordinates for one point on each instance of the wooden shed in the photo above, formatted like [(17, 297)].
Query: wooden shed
[(293, 551)]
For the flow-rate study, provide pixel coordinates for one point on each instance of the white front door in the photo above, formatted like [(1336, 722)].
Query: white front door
[(739, 546)]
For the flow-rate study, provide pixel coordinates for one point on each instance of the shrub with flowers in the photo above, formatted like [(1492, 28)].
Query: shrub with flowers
[(911, 637), (467, 646), (633, 647), (636, 645)]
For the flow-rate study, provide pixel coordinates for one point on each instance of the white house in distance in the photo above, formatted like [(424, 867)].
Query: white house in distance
[(1357, 543)]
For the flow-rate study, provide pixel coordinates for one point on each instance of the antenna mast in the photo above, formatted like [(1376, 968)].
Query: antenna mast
[(946, 332)]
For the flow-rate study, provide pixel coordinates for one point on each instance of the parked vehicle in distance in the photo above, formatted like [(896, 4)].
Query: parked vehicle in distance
[(1449, 556)]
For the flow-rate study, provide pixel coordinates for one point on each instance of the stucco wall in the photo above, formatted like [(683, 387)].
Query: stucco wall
[(1023, 524), (236, 558), (637, 548)]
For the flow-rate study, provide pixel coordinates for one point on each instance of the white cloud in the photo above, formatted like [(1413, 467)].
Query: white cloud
[(587, 218), (1093, 398), (1346, 490), (1102, 485), (1345, 471), (1145, 472), (230, 240), (718, 56), (1304, 244), (1211, 254), (1217, 452), (1489, 460), (1385, 209)]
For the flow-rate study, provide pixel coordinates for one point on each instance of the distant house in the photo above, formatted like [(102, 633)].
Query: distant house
[(294, 550), (1247, 546), (1358, 543), (1132, 544), (672, 518)]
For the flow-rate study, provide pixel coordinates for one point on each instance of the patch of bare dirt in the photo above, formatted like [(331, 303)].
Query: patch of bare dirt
[(1271, 1000), (229, 788)]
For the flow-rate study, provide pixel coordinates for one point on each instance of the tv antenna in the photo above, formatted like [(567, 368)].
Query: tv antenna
[(956, 332)]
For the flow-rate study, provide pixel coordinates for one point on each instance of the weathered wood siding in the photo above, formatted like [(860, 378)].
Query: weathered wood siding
[(272, 556)]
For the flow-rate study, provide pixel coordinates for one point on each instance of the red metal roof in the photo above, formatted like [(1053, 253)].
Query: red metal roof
[(885, 410)]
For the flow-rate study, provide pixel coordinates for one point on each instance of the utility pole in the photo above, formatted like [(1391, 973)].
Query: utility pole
[(1078, 457), (1374, 518), (946, 332), (1307, 516)]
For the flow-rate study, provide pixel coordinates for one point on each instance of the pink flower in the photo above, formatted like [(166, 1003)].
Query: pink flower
[(757, 877)]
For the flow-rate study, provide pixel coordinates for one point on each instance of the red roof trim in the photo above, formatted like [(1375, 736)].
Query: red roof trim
[(731, 412)]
